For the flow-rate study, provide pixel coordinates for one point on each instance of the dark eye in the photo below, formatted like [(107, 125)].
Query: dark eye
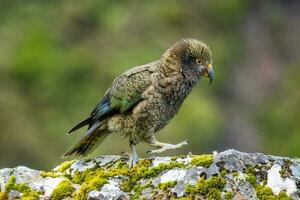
[(198, 61)]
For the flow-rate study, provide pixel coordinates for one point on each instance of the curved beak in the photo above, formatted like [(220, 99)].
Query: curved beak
[(209, 72), (211, 75)]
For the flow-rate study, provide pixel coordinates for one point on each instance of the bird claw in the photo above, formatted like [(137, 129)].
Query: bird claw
[(168, 147)]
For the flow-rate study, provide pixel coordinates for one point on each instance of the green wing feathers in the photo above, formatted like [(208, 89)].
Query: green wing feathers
[(126, 91)]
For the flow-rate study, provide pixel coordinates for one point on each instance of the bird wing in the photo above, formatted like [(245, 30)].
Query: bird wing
[(125, 92)]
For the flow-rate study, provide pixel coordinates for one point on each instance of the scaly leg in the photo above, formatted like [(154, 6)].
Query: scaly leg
[(164, 146), (134, 158)]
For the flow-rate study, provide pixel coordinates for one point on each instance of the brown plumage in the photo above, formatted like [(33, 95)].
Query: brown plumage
[(145, 98)]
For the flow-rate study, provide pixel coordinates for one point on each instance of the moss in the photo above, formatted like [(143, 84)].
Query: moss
[(64, 189), (3, 196), (27, 192), (214, 194), (223, 173), (252, 180), (286, 170), (30, 195), (202, 160), (49, 174), (65, 165), (228, 195), (93, 180), (143, 170), (10, 184), (265, 193), (182, 198), (283, 196), (208, 188), (167, 185), (138, 190), (251, 175), (235, 174)]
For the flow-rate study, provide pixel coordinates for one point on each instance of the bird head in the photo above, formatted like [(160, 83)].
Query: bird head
[(194, 57)]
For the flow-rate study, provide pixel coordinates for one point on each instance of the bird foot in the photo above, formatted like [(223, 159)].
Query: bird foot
[(167, 146), (133, 160)]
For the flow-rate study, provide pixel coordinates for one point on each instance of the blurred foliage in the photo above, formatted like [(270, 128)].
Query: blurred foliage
[(57, 58)]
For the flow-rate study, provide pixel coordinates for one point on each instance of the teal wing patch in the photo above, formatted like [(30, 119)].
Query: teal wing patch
[(125, 92)]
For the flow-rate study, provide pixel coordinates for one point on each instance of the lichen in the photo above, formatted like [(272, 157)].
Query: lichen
[(65, 165), (202, 160), (210, 188), (64, 189)]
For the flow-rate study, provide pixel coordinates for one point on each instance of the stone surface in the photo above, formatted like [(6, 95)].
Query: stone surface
[(163, 177)]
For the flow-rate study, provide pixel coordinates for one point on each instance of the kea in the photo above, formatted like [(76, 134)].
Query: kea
[(143, 100)]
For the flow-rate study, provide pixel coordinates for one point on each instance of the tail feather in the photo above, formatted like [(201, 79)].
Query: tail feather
[(81, 124), (88, 142)]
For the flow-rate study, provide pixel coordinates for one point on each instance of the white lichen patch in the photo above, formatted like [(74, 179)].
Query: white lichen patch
[(46, 185), (158, 160), (81, 166), (185, 160), (104, 160), (22, 174), (173, 175), (111, 190), (277, 183)]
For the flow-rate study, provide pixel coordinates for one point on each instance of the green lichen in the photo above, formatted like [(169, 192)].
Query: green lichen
[(64, 189), (167, 185), (210, 188), (202, 160), (228, 195), (49, 174), (65, 165), (27, 192)]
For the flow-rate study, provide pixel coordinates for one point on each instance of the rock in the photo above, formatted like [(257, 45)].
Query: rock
[(226, 175)]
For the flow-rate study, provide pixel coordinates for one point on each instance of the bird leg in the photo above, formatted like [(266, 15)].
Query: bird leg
[(134, 158), (164, 146)]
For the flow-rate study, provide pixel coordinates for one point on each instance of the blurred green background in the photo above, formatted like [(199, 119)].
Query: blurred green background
[(57, 58)]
